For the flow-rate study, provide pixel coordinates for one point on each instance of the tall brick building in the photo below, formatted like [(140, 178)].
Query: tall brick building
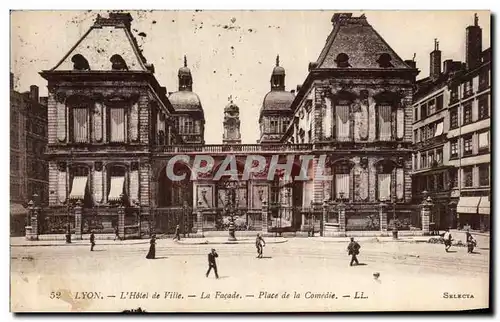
[(113, 130), (28, 138), (452, 110)]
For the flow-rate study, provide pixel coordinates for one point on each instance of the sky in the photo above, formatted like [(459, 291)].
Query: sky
[(232, 53)]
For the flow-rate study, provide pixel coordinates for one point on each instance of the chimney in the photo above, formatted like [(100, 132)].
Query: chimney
[(473, 44), (411, 63), (11, 81), (34, 93), (435, 66)]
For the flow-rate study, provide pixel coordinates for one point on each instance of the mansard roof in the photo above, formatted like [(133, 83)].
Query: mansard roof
[(107, 38), (364, 47)]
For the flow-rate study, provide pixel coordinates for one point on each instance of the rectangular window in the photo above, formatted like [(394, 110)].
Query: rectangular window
[(483, 108), (484, 141), (454, 94), (416, 137), (453, 118), (117, 124), (439, 156), (285, 125), (384, 186), (484, 174), (440, 182), (467, 114), (468, 145), (454, 148), (343, 123), (415, 113), (467, 176), (439, 103), (431, 107), (468, 88), (274, 126), (423, 111), (453, 178), (423, 160), (430, 158), (484, 79), (80, 125)]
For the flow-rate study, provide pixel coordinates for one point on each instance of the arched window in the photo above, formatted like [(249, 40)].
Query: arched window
[(117, 63), (384, 60), (117, 183), (384, 178), (342, 180), (80, 63), (342, 60)]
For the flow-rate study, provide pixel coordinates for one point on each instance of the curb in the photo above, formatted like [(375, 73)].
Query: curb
[(249, 242), (35, 244)]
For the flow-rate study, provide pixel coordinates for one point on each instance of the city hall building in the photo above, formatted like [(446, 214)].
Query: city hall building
[(112, 130)]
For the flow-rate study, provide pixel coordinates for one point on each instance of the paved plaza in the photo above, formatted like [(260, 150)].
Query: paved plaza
[(306, 266)]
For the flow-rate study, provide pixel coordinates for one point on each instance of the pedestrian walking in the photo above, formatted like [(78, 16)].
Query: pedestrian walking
[(212, 263), (447, 240), (177, 235), (260, 243), (471, 242), (152, 248), (353, 250), (117, 236), (92, 241)]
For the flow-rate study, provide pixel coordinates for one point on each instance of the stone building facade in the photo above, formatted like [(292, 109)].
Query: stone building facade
[(452, 110), (28, 168), (114, 134)]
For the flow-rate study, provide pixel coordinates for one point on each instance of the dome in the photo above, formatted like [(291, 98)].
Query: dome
[(184, 71), (278, 70), (277, 100), (185, 100)]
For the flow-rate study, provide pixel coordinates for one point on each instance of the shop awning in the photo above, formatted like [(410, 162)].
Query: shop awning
[(116, 188), (17, 209), (78, 188), (484, 206), (468, 205)]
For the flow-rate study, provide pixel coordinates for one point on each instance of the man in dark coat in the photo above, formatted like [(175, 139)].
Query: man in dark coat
[(177, 235), (259, 243), (92, 241), (353, 250), (211, 262)]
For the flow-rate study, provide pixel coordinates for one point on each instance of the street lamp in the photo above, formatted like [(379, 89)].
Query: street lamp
[(230, 207)]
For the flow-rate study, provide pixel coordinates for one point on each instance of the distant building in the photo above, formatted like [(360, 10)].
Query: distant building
[(451, 132), (28, 138)]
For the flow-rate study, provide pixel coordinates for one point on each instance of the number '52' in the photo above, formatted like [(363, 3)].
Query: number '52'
[(55, 295)]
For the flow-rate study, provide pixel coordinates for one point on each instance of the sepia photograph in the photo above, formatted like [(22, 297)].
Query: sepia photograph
[(250, 161)]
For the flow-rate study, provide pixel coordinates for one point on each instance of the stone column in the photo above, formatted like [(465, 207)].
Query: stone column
[(383, 217), (199, 219), (426, 214), (121, 222), (342, 219), (323, 217), (78, 220), (264, 216)]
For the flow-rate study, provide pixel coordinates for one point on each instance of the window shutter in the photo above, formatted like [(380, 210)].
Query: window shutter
[(134, 185), (117, 120), (400, 121), (134, 122), (342, 185), (98, 121), (483, 140), (80, 125), (400, 183), (61, 122), (97, 183), (61, 185)]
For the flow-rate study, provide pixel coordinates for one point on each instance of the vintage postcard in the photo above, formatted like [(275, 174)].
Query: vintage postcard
[(250, 161)]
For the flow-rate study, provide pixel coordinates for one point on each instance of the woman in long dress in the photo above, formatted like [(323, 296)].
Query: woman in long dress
[(152, 248)]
